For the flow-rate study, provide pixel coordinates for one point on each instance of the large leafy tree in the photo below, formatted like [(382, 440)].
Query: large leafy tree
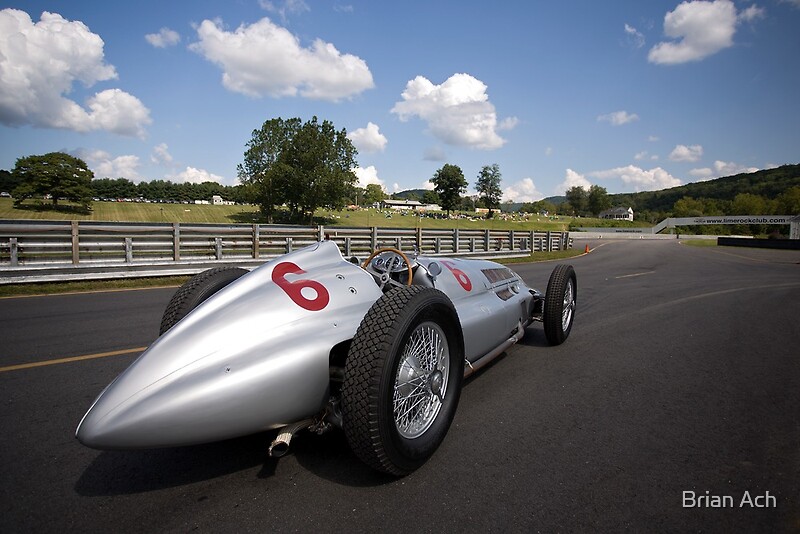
[(449, 183), (488, 187), (305, 165), (373, 193), (578, 199), (597, 200), (59, 175)]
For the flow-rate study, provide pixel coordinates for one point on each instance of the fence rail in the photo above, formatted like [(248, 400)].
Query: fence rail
[(78, 244)]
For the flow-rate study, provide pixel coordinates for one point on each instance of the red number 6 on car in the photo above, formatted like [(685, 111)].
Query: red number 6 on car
[(295, 289)]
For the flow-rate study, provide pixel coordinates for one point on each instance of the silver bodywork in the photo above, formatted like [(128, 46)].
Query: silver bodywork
[(257, 354)]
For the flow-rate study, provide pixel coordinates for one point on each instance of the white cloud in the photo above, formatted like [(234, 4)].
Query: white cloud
[(522, 191), (699, 29), (751, 13), (368, 139), (368, 175), (427, 184), (686, 153), (702, 174), (161, 155), (39, 64), (645, 155), (548, 151), (266, 59), (618, 118), (458, 111), (104, 165), (722, 168), (194, 176), (795, 3), (164, 38), (293, 7), (653, 138), (573, 179), (635, 37), (641, 180), (395, 187)]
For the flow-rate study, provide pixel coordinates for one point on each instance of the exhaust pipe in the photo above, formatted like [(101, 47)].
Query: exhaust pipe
[(280, 445)]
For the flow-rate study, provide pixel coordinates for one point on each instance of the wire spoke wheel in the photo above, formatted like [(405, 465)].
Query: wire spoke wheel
[(402, 379), (421, 380)]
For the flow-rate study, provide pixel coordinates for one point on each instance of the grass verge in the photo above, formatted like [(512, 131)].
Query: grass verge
[(53, 288)]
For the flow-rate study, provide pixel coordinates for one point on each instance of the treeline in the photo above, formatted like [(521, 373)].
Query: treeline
[(768, 192), (165, 190)]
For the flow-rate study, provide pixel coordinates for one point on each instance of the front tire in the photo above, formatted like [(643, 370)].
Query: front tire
[(403, 379), (559, 304), (196, 290)]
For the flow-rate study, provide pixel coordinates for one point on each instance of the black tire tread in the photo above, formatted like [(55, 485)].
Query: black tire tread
[(554, 303), (195, 290), (362, 384)]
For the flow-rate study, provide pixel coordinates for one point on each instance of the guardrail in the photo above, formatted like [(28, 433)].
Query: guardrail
[(30, 250)]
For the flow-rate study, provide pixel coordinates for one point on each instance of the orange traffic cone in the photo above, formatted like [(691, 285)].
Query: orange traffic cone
[(586, 250)]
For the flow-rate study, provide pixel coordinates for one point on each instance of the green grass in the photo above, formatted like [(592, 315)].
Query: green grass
[(700, 242), (52, 288), (203, 213)]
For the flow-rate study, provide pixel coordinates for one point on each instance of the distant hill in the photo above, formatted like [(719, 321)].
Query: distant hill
[(768, 183)]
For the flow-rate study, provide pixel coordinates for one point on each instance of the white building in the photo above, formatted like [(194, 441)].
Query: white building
[(619, 214)]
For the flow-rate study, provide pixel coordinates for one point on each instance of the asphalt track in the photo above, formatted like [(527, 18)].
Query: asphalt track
[(682, 374)]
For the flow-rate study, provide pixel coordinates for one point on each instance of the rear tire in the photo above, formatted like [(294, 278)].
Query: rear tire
[(559, 304), (196, 290), (403, 379)]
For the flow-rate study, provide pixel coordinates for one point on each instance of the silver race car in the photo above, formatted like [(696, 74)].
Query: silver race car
[(313, 341)]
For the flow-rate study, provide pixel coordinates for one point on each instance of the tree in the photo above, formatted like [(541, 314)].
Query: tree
[(59, 175), (449, 183), (430, 197), (488, 186), (261, 168), (788, 202), (748, 204), (688, 207), (306, 165), (597, 200), (578, 199), (373, 193)]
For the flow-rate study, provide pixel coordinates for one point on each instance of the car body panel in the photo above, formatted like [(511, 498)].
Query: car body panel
[(256, 355)]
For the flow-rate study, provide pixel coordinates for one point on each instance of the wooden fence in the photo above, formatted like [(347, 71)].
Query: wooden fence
[(34, 243)]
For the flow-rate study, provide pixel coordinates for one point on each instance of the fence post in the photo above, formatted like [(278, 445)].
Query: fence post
[(486, 244), (438, 247), (288, 245), (256, 241), (176, 241), (549, 241), (348, 247), (218, 247), (373, 239), (419, 240), (14, 252), (472, 244), (75, 242), (128, 250), (455, 241), (320, 233), (511, 240), (532, 242)]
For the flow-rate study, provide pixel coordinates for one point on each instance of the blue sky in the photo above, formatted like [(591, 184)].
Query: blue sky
[(629, 95)]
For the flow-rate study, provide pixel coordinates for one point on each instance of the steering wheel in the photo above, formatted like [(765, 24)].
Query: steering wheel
[(393, 255)]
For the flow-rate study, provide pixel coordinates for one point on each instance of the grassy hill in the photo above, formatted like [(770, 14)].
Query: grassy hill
[(768, 183)]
